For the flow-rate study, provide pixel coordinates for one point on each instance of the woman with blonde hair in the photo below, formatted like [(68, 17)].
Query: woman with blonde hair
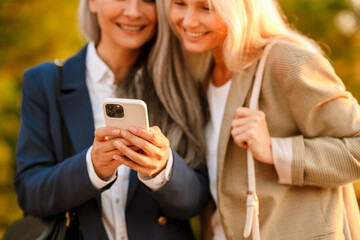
[(304, 136), (69, 161)]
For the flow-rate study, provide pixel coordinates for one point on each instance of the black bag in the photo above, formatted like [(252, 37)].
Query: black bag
[(64, 226), (60, 227)]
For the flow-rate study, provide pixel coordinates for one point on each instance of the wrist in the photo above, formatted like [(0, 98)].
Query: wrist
[(159, 171)]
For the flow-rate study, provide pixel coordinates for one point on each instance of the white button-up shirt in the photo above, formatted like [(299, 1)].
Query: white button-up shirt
[(100, 83)]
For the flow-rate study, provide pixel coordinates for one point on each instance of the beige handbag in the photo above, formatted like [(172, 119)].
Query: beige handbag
[(252, 202)]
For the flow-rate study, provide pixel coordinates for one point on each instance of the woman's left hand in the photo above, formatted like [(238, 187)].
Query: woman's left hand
[(154, 152), (249, 130)]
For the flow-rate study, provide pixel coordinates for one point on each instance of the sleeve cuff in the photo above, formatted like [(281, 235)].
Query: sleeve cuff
[(162, 178), (95, 180), (283, 157)]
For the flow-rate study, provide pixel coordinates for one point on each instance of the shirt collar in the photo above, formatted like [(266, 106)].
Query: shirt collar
[(95, 66)]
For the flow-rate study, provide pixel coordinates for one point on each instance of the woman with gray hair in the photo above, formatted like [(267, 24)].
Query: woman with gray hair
[(111, 200)]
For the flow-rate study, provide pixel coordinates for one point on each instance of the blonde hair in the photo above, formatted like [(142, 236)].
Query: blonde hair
[(88, 22), (179, 75), (251, 24)]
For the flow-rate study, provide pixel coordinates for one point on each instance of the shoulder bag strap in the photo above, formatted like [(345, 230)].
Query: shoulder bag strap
[(252, 202)]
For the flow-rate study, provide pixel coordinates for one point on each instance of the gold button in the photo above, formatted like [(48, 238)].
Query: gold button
[(162, 220)]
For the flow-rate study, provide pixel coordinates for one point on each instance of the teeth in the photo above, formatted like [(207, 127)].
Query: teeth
[(130, 28), (194, 34)]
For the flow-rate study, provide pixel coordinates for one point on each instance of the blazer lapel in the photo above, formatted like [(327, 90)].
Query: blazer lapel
[(133, 185), (75, 108), (74, 102), (239, 90)]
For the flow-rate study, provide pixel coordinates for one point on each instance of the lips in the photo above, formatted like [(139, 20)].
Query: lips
[(130, 27)]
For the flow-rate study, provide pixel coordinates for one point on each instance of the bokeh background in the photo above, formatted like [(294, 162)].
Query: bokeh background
[(35, 31)]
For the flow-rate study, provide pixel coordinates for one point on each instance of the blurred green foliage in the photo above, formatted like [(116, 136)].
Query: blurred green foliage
[(31, 32), (36, 31), (316, 19)]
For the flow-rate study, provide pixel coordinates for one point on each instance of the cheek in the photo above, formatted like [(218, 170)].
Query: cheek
[(151, 14), (174, 16), (106, 13), (220, 29)]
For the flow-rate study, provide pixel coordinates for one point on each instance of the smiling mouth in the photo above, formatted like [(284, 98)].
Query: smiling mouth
[(194, 34), (130, 28)]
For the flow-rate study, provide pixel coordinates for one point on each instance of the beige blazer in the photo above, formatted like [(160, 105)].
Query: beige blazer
[(303, 99)]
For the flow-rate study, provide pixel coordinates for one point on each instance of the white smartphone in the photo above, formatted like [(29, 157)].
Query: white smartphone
[(123, 113)]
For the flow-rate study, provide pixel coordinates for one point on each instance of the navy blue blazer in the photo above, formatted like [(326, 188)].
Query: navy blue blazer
[(47, 184)]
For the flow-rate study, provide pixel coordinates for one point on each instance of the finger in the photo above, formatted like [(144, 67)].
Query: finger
[(259, 117), (240, 141), (153, 135), (242, 112), (238, 136), (155, 129), (99, 153), (132, 155), (238, 130), (238, 122), (103, 132), (124, 141), (101, 147), (248, 135), (146, 146), (112, 153), (133, 165)]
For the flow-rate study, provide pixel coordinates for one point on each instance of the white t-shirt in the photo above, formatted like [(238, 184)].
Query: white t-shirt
[(217, 97)]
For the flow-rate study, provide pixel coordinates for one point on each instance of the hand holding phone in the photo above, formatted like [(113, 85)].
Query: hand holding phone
[(118, 113), (154, 154), (147, 150)]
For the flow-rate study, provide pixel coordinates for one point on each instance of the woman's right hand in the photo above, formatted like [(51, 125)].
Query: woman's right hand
[(154, 154), (250, 130), (103, 151)]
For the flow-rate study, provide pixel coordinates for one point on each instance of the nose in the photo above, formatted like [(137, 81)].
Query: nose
[(190, 18), (132, 9)]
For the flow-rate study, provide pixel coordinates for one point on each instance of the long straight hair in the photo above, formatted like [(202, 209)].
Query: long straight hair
[(88, 22), (251, 25), (181, 94), (175, 106)]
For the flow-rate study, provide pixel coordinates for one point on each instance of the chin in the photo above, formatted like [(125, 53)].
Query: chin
[(132, 45), (195, 49)]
